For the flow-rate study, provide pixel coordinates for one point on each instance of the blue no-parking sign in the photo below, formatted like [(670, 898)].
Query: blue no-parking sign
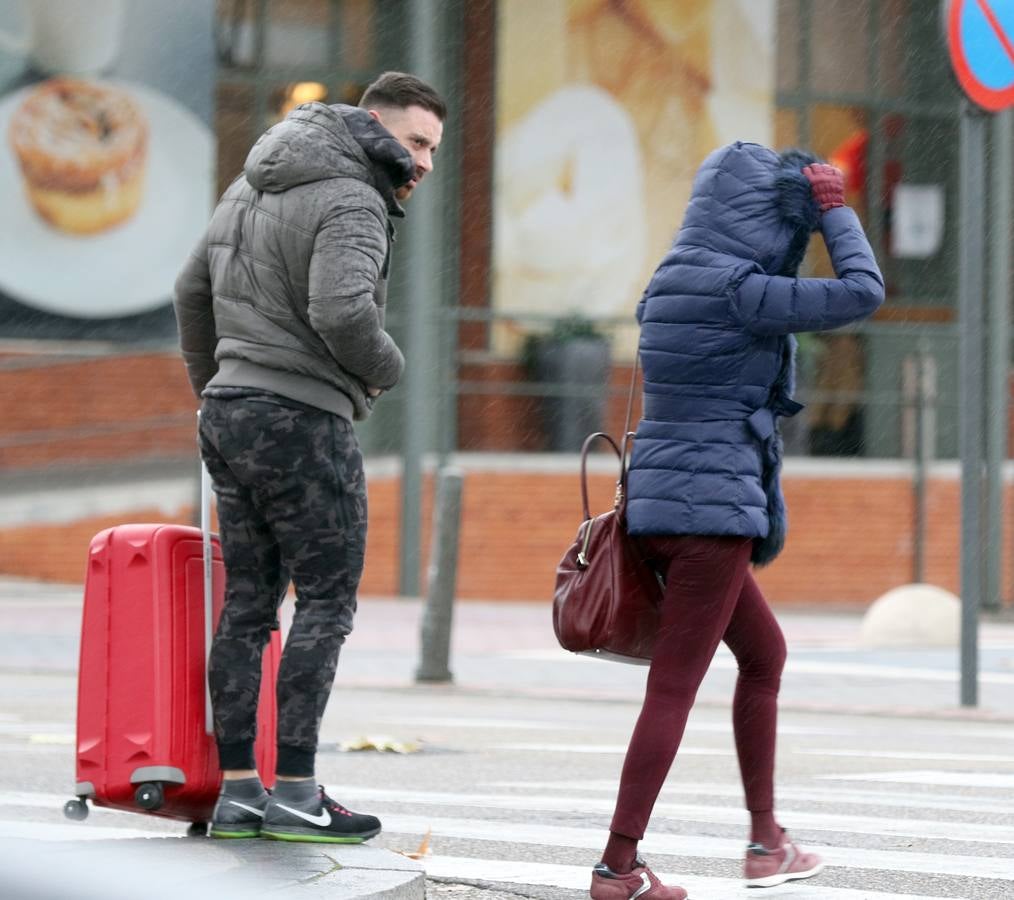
[(980, 37)]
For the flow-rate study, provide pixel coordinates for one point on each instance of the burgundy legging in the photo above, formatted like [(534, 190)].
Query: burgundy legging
[(710, 596)]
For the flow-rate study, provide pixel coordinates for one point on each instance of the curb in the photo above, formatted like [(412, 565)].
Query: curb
[(356, 871), (205, 869)]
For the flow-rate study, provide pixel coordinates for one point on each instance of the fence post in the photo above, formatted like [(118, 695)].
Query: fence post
[(435, 632)]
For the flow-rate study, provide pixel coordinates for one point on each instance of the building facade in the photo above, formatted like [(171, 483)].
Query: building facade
[(575, 130)]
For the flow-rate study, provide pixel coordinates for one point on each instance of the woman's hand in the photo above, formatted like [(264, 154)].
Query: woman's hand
[(828, 185)]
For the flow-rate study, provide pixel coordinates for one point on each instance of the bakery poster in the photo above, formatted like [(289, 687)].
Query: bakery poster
[(106, 162), (604, 111)]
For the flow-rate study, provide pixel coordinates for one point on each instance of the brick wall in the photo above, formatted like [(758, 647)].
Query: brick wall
[(851, 535), (851, 521), (509, 422), (74, 411)]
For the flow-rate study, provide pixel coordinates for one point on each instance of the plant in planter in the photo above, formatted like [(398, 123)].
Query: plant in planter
[(572, 354)]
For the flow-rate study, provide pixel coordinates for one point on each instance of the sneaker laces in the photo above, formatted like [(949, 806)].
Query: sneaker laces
[(333, 805)]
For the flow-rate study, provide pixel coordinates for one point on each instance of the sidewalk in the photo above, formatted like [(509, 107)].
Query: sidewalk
[(168, 868), (510, 649)]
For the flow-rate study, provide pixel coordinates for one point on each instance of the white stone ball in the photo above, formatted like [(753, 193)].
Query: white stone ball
[(913, 615)]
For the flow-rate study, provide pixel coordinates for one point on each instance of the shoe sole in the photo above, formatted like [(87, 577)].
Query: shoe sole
[(220, 833), (317, 837), (775, 880)]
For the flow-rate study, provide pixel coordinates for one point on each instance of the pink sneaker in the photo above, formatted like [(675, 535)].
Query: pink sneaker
[(639, 882), (766, 868)]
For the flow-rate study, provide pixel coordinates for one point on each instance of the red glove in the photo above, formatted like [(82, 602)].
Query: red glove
[(828, 185)]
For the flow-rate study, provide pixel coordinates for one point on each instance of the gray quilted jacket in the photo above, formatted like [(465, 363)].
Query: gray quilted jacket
[(286, 290)]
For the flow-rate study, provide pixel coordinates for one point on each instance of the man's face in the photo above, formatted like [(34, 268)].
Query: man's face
[(417, 130)]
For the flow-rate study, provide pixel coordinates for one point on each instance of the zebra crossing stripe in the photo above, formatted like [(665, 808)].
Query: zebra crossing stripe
[(505, 830), (492, 870), (943, 779), (693, 846), (579, 877), (843, 796), (724, 815), (51, 831), (605, 749), (929, 755), (860, 753), (693, 727), (798, 667)]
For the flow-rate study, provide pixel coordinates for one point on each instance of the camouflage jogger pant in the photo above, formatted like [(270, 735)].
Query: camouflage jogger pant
[(291, 504)]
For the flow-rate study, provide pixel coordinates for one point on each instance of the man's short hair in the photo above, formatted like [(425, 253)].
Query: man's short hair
[(398, 90)]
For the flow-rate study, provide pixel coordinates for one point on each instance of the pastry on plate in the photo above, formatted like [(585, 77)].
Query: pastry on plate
[(82, 147)]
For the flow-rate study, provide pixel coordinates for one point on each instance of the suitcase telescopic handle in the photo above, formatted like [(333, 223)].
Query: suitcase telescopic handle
[(209, 593)]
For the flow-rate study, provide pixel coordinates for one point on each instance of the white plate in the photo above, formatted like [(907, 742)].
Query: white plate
[(130, 268)]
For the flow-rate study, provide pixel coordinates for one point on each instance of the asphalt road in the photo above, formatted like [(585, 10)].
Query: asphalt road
[(516, 764)]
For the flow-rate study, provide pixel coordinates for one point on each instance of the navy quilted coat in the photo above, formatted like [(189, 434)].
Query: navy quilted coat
[(717, 349)]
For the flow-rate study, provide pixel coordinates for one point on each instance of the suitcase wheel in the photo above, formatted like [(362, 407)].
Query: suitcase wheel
[(149, 795), (76, 810), (197, 830)]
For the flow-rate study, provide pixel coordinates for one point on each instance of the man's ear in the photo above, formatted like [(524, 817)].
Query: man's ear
[(375, 115)]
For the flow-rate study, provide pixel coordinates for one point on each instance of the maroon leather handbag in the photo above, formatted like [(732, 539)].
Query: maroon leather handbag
[(607, 598)]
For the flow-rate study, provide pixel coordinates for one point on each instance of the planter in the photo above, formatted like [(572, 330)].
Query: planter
[(563, 364)]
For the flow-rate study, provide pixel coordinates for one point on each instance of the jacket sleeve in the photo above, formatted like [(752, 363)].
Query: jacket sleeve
[(348, 255), (770, 304), (195, 318)]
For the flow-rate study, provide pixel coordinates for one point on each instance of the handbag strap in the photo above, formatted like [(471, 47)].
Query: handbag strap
[(585, 447), (628, 435), (621, 450)]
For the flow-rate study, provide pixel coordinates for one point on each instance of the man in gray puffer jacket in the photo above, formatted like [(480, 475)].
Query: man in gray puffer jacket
[(281, 318)]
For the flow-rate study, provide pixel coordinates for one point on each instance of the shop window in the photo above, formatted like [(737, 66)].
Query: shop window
[(787, 56), (893, 48), (286, 98), (786, 128), (357, 30), (297, 33), (232, 130), (835, 411), (839, 37)]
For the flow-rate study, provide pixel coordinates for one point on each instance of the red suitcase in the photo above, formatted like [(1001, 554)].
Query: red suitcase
[(144, 732)]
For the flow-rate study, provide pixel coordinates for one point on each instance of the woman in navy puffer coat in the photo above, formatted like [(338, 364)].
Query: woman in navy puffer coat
[(717, 350)]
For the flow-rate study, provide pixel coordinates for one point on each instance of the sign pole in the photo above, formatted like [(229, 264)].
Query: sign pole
[(1001, 176), (970, 306), (980, 41)]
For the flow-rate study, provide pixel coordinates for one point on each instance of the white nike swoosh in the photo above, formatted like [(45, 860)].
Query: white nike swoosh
[(644, 888), (256, 812), (323, 819)]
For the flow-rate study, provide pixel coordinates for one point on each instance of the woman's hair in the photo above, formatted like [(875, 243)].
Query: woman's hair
[(397, 90), (796, 205)]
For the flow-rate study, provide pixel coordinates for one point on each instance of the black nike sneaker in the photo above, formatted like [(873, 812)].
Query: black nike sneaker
[(322, 820), (238, 818)]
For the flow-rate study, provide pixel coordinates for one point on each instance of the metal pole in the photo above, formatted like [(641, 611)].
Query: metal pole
[(923, 452), (424, 242), (999, 340), (435, 635), (970, 304)]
